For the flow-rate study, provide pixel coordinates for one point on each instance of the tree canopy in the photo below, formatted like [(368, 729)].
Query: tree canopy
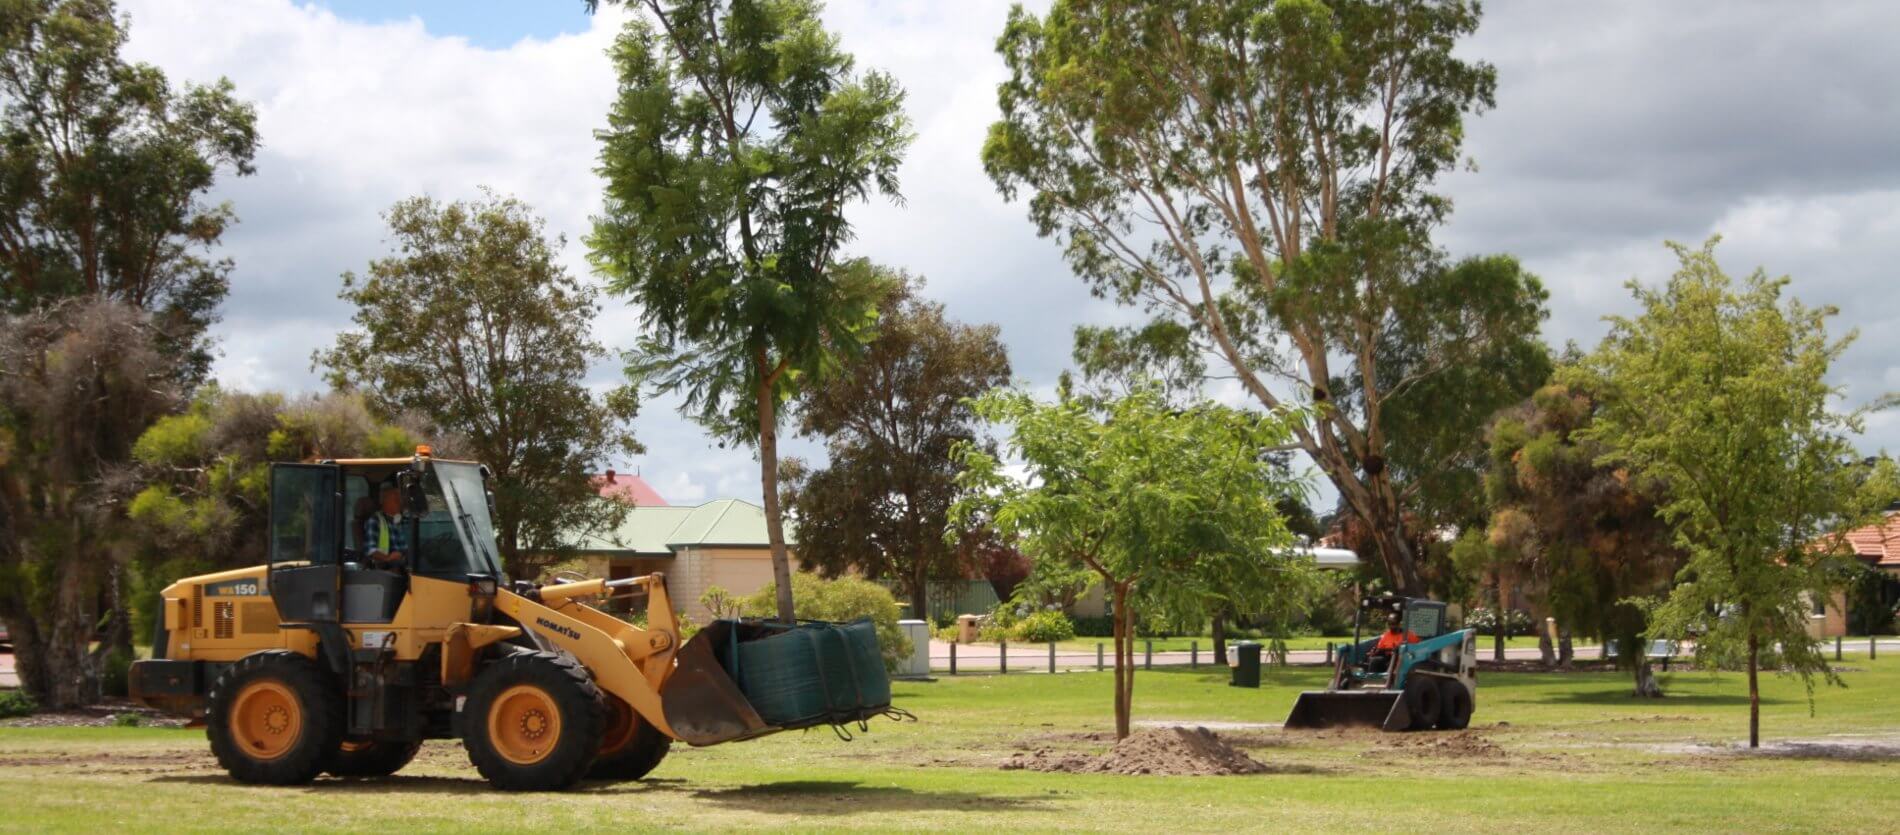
[(1170, 509), (473, 323), (1719, 389), (1259, 175), (106, 168), (741, 132), (889, 422)]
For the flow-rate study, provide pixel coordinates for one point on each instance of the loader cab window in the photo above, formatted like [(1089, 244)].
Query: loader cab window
[(303, 514), (457, 536)]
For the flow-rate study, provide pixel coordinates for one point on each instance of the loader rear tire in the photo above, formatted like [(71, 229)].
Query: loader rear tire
[(371, 758), (632, 746), (1421, 700), (274, 717), (534, 722), (1454, 706)]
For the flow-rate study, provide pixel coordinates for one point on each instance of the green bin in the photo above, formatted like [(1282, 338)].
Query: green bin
[(1246, 665)]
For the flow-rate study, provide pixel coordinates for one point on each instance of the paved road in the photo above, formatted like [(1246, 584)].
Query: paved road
[(1035, 658)]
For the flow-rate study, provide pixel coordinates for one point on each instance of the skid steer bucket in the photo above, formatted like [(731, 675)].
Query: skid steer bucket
[(1350, 708), (702, 702)]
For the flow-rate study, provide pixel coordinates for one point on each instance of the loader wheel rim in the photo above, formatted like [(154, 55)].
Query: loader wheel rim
[(621, 726), (266, 719), (524, 724)]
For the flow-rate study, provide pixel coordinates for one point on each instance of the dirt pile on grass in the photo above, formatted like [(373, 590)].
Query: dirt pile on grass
[(1170, 751), (1448, 744)]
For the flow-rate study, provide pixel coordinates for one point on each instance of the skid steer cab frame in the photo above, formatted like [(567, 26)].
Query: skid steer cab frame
[(1432, 683), (325, 661)]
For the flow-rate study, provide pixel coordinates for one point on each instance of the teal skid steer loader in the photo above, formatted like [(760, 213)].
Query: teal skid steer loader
[(1429, 684)]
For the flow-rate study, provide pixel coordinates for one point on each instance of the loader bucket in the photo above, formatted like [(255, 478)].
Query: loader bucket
[(1383, 709), (701, 701)]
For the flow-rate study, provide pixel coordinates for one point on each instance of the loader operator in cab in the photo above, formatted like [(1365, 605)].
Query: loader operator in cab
[(383, 531), (1395, 634)]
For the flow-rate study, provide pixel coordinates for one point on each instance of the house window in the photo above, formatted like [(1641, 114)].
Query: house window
[(1820, 606)]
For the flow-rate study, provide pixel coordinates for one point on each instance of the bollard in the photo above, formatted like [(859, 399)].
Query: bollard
[(1329, 653), (1837, 647), (1873, 647), (1002, 656), (1194, 655), (1052, 656), (1098, 656), (1148, 661), (953, 657)]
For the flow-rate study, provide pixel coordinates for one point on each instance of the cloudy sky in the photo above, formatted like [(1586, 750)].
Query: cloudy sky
[(1618, 125)]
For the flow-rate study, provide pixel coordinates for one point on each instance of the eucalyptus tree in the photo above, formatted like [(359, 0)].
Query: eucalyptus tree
[(741, 133), (1260, 175)]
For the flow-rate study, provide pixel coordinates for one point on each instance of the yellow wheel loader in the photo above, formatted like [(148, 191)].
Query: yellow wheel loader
[(328, 660)]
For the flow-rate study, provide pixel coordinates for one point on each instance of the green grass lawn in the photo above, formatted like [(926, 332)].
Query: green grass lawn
[(1552, 752)]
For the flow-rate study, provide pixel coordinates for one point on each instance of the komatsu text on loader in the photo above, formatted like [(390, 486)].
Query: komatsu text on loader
[(321, 661), (1432, 683)]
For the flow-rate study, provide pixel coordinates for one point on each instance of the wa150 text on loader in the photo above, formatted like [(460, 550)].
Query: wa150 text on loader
[(320, 661)]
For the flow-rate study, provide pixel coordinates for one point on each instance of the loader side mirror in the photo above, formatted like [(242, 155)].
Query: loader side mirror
[(413, 495)]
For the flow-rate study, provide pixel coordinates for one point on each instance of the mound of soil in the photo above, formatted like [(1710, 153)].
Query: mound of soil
[(1447, 744), (1172, 751)]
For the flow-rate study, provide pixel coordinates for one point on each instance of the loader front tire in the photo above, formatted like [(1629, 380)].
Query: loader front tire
[(1421, 700), (534, 722), (274, 717), (371, 758), (632, 747)]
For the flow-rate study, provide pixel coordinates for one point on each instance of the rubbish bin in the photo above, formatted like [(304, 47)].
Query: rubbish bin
[(967, 628), (1246, 665)]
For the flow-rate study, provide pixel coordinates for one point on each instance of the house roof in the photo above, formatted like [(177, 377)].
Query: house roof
[(631, 489), (663, 530), (1878, 543)]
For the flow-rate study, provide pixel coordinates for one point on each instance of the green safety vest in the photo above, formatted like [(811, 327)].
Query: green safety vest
[(382, 532)]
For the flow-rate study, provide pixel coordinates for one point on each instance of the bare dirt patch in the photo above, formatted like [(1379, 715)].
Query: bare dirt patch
[(1168, 751), (1463, 744), (102, 715)]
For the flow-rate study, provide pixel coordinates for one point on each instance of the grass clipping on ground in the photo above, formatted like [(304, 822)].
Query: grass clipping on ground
[(1172, 751)]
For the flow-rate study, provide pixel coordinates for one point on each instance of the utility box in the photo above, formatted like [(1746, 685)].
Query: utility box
[(916, 664), (1246, 665), (967, 628)]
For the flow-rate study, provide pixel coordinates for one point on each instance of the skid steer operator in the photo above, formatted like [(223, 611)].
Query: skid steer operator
[(383, 530), (1394, 635)]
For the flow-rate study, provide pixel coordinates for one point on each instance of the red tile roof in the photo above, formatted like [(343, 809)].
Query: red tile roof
[(1878, 543), (628, 488)]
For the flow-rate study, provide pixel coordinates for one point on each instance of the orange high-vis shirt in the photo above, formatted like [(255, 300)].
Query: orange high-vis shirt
[(1389, 640)]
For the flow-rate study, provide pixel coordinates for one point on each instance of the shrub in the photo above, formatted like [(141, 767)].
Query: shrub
[(116, 676), (843, 599), (1044, 627), (16, 703), (1516, 621), (1094, 627), (991, 632), (127, 720), (947, 633)]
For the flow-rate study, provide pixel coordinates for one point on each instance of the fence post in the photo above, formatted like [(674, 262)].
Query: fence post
[(1003, 656), (1052, 656), (1148, 660), (1329, 653), (1837, 647), (953, 657), (1873, 647), (1098, 656), (1194, 655)]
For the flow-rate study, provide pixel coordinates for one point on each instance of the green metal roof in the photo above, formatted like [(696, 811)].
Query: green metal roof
[(660, 531)]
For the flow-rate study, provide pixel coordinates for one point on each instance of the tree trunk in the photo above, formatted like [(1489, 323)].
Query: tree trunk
[(1124, 660), (1503, 626), (1565, 651), (1754, 692), (1219, 629), (29, 657), (919, 593), (1400, 566), (1545, 648), (768, 480), (74, 679), (1646, 686)]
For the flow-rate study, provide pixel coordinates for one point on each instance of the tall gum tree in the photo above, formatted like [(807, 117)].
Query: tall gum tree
[(741, 133), (1260, 173)]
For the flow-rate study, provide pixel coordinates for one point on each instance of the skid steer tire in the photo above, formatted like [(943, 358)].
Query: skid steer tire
[(631, 748), (274, 718), (1421, 700), (371, 758), (1454, 706), (534, 722)]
